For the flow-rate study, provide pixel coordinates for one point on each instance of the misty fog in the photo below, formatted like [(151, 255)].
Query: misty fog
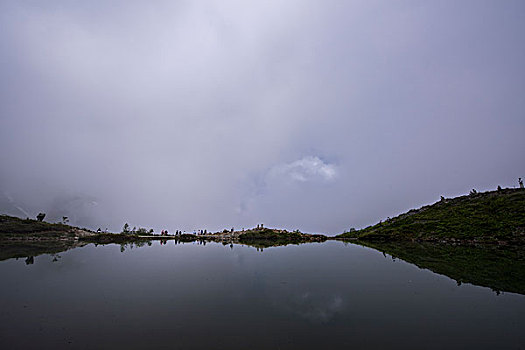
[(310, 115)]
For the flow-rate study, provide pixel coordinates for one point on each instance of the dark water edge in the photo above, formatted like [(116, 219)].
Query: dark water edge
[(500, 268), (30, 248), (215, 296)]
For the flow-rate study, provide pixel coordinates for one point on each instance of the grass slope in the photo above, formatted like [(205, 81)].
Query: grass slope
[(489, 217), (16, 228)]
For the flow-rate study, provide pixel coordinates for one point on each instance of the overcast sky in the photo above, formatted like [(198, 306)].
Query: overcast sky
[(311, 115)]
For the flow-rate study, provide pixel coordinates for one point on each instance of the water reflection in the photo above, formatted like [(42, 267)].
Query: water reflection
[(29, 249), (199, 296), (501, 268)]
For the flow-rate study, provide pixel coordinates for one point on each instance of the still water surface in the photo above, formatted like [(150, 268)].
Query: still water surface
[(194, 296)]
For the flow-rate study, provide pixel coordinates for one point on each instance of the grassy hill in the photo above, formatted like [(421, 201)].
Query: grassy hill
[(12, 228), (267, 237), (495, 216)]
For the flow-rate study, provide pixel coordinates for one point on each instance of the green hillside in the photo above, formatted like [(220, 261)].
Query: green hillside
[(495, 216), (16, 228)]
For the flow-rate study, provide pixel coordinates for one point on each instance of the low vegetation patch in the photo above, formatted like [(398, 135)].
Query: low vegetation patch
[(267, 237)]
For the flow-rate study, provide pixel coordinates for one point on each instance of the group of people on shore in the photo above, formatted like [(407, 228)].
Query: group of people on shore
[(177, 233), (205, 232)]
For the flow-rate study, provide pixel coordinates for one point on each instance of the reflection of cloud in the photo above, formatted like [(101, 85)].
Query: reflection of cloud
[(316, 308), (305, 169)]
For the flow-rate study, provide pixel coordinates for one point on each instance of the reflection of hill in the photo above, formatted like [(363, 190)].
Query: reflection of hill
[(22, 249), (496, 267)]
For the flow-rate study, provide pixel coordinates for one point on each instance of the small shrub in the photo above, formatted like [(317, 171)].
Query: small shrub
[(142, 231)]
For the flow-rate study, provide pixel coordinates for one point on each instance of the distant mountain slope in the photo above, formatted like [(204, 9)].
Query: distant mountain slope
[(9, 207), (485, 217)]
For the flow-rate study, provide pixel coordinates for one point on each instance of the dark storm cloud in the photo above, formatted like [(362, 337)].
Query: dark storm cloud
[(302, 114)]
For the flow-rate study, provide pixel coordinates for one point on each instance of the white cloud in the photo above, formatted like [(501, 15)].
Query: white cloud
[(308, 168)]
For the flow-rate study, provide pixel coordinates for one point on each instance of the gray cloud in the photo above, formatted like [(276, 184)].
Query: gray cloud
[(187, 115)]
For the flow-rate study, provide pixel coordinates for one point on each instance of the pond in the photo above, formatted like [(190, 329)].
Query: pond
[(215, 296)]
